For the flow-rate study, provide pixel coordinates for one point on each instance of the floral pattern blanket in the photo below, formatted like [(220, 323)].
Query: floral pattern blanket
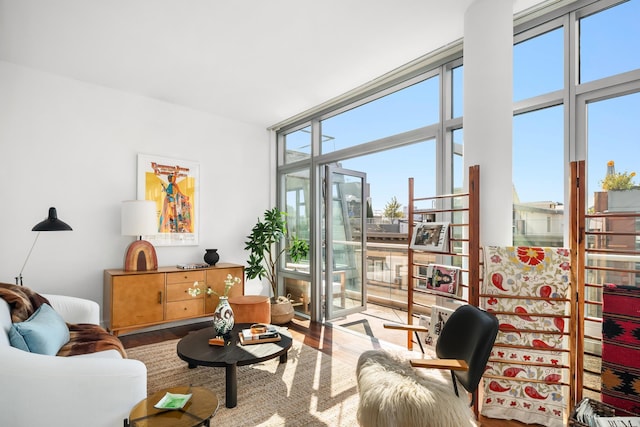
[(524, 287), (85, 338)]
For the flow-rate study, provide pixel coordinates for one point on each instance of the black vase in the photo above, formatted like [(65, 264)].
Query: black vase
[(211, 256)]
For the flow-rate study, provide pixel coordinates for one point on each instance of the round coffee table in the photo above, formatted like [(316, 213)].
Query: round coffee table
[(198, 410), (196, 351)]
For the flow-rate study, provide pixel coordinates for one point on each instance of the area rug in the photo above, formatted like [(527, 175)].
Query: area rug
[(620, 347), (311, 389)]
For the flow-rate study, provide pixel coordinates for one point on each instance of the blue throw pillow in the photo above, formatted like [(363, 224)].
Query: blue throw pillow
[(45, 332)]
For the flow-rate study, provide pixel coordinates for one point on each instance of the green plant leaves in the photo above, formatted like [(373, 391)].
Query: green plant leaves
[(265, 235)]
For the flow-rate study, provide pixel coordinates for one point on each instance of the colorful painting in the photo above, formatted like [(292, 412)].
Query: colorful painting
[(173, 185)]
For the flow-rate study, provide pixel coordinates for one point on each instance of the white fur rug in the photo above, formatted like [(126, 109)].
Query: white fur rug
[(392, 393)]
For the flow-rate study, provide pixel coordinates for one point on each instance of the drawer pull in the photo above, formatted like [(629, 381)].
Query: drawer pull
[(160, 297)]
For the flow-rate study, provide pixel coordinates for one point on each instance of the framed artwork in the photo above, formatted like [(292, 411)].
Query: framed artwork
[(431, 236), (174, 186)]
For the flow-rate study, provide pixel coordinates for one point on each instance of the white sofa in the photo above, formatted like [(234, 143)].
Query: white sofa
[(97, 390)]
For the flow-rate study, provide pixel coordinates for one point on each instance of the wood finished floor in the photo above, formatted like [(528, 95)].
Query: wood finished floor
[(336, 342)]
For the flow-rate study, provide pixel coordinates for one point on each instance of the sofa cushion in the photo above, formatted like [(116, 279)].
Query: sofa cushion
[(45, 332)]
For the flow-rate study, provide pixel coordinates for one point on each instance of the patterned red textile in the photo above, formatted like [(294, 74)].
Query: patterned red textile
[(621, 347), (521, 283)]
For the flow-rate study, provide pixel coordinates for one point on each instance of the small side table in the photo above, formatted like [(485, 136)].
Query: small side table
[(197, 412)]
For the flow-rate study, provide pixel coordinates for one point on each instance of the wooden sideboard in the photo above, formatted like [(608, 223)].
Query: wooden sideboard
[(138, 299)]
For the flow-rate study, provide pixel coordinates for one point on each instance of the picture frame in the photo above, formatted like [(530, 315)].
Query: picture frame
[(431, 236), (442, 279), (174, 185)]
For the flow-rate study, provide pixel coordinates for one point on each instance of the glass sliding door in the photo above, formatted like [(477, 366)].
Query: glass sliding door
[(345, 242)]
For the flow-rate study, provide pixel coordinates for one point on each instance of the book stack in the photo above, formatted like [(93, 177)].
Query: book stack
[(259, 333)]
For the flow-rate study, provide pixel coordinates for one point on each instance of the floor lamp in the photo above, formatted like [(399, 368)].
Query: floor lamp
[(138, 218), (52, 223)]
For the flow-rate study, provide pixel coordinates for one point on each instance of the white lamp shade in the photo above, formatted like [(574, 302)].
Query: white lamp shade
[(139, 218)]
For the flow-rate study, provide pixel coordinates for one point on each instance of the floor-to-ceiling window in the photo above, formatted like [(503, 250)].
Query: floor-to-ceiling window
[(539, 135), (556, 61), (389, 136), (606, 110), (585, 54)]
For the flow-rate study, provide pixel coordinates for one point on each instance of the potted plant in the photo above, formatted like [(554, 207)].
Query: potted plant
[(617, 180), (265, 255), (622, 193)]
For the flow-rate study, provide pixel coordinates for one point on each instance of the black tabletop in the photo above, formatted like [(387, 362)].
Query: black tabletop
[(195, 348)]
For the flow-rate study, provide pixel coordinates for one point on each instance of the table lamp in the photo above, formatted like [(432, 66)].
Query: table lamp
[(139, 219), (51, 223)]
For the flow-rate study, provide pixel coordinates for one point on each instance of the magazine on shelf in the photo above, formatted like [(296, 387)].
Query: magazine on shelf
[(439, 316), (431, 236), (425, 337), (442, 279)]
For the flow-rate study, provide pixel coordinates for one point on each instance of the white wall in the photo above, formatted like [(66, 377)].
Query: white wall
[(73, 145)]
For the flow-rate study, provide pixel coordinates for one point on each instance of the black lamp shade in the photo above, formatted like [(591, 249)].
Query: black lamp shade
[(52, 223)]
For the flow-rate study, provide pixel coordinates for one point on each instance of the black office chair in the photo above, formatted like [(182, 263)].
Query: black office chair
[(463, 347)]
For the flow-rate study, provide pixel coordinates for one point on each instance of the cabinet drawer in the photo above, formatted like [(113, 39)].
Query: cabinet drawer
[(185, 309), (179, 291), (186, 276), (139, 280)]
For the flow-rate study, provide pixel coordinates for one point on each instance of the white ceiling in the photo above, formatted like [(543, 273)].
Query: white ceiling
[(258, 61)]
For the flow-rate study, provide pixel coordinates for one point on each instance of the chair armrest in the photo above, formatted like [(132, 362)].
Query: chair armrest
[(401, 327), (40, 390), (75, 310), (451, 364)]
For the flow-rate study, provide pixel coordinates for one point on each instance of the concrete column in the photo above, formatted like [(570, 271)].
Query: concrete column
[(488, 110)]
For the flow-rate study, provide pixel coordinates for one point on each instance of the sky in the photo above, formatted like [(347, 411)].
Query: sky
[(608, 46)]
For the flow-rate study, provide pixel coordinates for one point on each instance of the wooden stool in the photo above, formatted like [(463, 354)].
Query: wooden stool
[(251, 309)]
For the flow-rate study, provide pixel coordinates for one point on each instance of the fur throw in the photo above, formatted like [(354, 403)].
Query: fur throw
[(87, 338), (393, 393), (84, 338), (23, 302)]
